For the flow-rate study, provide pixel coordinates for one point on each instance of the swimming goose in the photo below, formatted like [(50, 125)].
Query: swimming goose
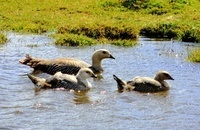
[(67, 65), (66, 81), (145, 84)]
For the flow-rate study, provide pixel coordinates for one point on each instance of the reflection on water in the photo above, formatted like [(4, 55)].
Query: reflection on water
[(103, 106), (81, 97)]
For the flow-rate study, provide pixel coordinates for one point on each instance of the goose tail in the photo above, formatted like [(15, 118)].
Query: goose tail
[(39, 82), (120, 83), (30, 61)]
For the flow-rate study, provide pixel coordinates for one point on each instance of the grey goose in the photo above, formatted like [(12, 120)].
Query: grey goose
[(145, 84), (67, 65), (66, 81)]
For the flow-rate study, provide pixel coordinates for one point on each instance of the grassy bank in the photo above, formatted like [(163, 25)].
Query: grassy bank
[(194, 55), (3, 38), (118, 22)]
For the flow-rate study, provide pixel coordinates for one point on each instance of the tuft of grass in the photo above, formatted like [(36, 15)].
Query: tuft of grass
[(176, 30), (162, 30), (3, 38), (73, 40), (125, 43), (102, 31), (194, 55), (191, 35)]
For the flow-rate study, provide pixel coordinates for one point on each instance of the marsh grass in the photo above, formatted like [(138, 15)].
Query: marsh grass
[(194, 55), (74, 40), (85, 22), (3, 38)]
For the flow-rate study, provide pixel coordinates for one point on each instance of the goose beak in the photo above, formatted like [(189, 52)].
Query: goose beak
[(171, 78), (94, 76), (111, 57)]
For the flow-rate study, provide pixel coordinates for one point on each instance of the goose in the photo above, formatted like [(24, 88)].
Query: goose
[(145, 84), (66, 81), (67, 65)]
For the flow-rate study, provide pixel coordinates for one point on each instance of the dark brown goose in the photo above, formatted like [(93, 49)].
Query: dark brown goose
[(67, 65), (145, 84), (66, 81)]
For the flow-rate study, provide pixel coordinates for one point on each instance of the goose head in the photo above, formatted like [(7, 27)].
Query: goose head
[(98, 56), (85, 73), (163, 75)]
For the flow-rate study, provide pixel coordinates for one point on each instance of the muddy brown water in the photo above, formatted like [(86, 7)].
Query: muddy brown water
[(103, 107)]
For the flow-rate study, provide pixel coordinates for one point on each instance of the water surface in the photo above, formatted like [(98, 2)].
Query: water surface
[(102, 107)]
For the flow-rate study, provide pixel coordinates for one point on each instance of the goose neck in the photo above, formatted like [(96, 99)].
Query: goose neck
[(96, 63)]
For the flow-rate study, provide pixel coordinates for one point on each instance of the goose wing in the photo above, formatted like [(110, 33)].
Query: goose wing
[(145, 84), (60, 80), (68, 85), (65, 65)]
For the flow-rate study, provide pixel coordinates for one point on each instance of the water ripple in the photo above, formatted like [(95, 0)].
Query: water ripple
[(103, 106)]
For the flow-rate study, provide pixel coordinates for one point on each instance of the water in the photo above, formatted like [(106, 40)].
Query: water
[(103, 107)]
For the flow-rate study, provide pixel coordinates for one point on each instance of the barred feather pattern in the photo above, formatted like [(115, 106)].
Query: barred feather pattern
[(147, 87), (52, 69), (73, 70), (67, 85)]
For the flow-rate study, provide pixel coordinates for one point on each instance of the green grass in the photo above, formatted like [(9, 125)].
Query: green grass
[(194, 55), (74, 40), (3, 38), (118, 22)]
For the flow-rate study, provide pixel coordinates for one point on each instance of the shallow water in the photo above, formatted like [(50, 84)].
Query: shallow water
[(102, 107)]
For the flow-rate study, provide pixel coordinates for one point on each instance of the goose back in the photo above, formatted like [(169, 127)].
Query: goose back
[(67, 85), (64, 65), (146, 84)]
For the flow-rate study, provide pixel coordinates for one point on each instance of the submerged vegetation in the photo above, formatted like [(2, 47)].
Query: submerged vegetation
[(3, 38), (118, 22)]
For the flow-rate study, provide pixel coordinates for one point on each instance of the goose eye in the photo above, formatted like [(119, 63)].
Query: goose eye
[(87, 72), (166, 75), (104, 52)]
